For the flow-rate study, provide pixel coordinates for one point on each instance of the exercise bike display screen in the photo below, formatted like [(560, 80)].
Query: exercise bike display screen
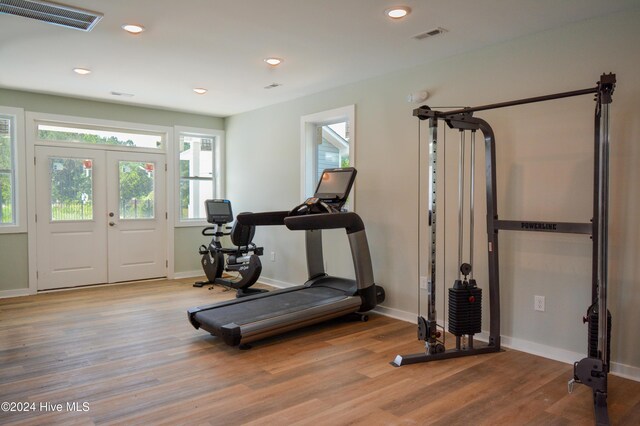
[(218, 211), (335, 184)]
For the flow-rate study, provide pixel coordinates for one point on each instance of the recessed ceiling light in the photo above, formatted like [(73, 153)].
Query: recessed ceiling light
[(200, 90), (82, 71), (133, 28), (273, 61), (397, 12)]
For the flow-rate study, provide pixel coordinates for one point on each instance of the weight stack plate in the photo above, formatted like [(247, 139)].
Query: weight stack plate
[(593, 333), (465, 311)]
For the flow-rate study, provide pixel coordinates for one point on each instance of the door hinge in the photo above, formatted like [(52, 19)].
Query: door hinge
[(34, 160), (36, 218), (166, 263), (37, 274), (166, 215), (165, 167)]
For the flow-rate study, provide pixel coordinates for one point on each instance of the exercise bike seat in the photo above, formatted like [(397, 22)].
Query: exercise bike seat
[(242, 237)]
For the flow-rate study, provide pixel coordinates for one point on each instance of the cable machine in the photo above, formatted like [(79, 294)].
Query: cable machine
[(464, 319)]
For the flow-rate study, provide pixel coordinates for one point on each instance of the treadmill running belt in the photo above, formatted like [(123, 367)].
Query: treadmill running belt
[(258, 309)]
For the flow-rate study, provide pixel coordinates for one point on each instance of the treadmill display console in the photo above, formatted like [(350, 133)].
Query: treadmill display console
[(335, 185), (218, 211)]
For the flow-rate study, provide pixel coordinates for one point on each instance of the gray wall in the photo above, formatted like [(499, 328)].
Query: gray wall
[(544, 167), (13, 247)]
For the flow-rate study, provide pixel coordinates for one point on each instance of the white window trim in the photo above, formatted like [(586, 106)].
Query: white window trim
[(19, 173), (31, 134), (219, 155), (308, 124)]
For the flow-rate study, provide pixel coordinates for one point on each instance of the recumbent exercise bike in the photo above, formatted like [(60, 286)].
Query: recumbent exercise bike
[(243, 258)]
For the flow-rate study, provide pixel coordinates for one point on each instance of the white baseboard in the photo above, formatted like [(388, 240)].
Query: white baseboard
[(539, 349), (617, 369), (275, 283), (14, 293), (188, 274), (396, 313), (626, 371)]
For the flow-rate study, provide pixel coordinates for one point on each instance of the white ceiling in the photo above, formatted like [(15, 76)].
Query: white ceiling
[(220, 45)]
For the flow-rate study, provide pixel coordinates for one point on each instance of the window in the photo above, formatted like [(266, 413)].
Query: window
[(12, 180), (331, 147), (98, 136), (200, 174), (327, 142)]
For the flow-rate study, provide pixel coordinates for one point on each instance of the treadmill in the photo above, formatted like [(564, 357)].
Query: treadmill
[(322, 297)]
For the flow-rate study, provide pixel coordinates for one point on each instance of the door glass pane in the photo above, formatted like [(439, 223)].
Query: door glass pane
[(71, 188), (136, 179)]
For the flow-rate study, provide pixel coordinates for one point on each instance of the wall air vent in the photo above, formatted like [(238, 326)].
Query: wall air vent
[(431, 33), (53, 13), (273, 85)]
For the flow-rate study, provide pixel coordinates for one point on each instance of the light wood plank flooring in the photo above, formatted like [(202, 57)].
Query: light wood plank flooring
[(130, 352)]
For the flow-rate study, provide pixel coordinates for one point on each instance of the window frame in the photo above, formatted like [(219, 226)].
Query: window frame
[(308, 161), (18, 172), (218, 176)]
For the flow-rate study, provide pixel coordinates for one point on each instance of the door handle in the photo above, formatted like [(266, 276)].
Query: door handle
[(112, 224)]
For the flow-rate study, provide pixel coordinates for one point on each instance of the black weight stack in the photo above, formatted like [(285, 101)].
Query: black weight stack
[(592, 318), (465, 308)]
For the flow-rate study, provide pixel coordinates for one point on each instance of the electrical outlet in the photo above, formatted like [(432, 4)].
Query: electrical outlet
[(273, 256), (538, 303), (424, 283)]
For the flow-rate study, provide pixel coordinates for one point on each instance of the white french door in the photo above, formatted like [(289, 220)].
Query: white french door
[(100, 216), (136, 234)]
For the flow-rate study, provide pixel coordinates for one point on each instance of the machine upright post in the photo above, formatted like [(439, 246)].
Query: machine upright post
[(492, 233), (593, 370), (433, 171), (603, 208)]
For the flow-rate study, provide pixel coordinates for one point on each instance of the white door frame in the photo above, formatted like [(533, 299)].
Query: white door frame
[(31, 120)]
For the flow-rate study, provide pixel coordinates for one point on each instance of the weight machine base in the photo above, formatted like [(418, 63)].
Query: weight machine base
[(449, 353), (600, 407)]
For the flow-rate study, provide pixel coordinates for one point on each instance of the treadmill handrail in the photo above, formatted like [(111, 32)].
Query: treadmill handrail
[(263, 218), (347, 220)]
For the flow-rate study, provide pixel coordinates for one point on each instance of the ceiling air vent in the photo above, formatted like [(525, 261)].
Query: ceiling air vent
[(273, 85), (123, 94), (57, 14), (431, 33)]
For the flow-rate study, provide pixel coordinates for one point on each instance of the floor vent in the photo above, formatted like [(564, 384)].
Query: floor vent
[(57, 14), (431, 33)]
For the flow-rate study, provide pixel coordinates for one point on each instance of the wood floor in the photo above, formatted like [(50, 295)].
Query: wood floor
[(130, 353)]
